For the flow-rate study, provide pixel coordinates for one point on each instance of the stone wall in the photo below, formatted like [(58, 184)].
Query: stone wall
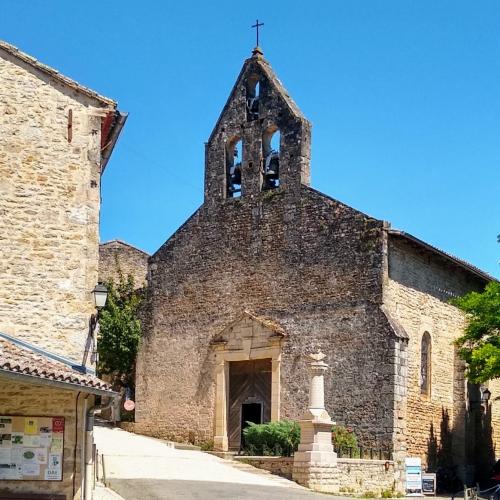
[(280, 466), (49, 208), (306, 261), (31, 400), (417, 295), (114, 255), (354, 475)]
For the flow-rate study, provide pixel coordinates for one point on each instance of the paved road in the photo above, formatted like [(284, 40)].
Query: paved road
[(142, 468)]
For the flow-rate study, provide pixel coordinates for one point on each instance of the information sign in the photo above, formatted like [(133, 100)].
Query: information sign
[(31, 448), (413, 477)]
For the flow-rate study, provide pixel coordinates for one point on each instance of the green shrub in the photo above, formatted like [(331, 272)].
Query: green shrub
[(274, 438), (343, 437), (206, 445)]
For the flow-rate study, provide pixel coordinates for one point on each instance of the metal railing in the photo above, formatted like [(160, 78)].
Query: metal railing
[(492, 493), (363, 453)]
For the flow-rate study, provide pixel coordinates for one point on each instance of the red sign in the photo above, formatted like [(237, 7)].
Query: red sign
[(129, 405), (58, 424)]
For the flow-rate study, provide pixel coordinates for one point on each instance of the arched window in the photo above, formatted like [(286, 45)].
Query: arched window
[(425, 364), (253, 95), (271, 158), (234, 159)]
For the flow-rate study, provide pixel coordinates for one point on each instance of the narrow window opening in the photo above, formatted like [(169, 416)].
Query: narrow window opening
[(253, 97), (70, 125), (271, 140), (234, 158), (425, 364)]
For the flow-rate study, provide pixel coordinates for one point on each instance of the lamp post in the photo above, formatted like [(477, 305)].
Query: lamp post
[(485, 398), (100, 294)]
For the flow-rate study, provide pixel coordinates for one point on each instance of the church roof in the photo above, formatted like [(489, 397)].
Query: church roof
[(53, 73), (28, 363), (449, 257), (122, 243)]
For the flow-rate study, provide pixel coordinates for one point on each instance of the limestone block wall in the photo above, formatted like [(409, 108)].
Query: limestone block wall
[(417, 294), (130, 260), (31, 400), (308, 262), (49, 208), (354, 475)]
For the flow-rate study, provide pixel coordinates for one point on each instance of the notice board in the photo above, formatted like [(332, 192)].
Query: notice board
[(413, 476), (31, 448)]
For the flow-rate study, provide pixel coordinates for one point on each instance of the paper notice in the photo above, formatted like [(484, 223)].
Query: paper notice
[(45, 440), (5, 440), (17, 439), (5, 456), (56, 446), (5, 425), (10, 473), (31, 441), (41, 455), (55, 460), (58, 424), (17, 455), (31, 469), (31, 426), (53, 474)]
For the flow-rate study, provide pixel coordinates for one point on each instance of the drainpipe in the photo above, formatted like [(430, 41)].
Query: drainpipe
[(82, 452), (89, 443)]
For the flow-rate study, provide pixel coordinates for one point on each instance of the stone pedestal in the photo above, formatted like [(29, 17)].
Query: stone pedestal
[(315, 462)]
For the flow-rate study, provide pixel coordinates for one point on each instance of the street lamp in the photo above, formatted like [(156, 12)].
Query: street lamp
[(100, 293), (485, 396)]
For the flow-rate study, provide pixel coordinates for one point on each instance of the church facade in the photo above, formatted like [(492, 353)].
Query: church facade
[(267, 270)]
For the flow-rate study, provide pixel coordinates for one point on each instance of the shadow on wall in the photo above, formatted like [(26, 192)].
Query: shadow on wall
[(479, 450)]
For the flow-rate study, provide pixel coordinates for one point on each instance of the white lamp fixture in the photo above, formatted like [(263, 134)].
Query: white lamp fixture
[(485, 396), (100, 293)]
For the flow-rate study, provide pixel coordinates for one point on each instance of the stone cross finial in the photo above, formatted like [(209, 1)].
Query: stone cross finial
[(257, 25)]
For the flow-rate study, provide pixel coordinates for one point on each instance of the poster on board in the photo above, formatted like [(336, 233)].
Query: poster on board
[(428, 483), (31, 448), (413, 468)]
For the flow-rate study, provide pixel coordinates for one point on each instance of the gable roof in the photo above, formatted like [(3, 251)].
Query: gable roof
[(258, 62), (26, 363), (441, 253), (56, 75), (122, 243)]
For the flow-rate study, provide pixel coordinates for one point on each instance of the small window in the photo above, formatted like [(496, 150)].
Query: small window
[(425, 365), (234, 159), (253, 96), (271, 158)]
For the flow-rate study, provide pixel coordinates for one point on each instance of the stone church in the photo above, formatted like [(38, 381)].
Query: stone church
[(267, 270)]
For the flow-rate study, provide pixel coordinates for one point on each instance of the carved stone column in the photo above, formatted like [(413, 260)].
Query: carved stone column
[(315, 462)]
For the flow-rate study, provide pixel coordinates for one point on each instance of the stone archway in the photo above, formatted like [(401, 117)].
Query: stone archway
[(249, 338)]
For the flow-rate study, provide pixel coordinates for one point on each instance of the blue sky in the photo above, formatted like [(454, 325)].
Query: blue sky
[(403, 96)]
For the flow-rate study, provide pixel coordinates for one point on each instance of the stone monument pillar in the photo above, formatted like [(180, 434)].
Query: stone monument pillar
[(315, 462)]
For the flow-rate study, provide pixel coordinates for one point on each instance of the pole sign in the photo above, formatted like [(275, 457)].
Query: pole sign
[(413, 468)]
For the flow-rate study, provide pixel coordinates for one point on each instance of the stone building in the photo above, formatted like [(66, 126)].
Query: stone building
[(56, 137), (268, 269), (115, 256)]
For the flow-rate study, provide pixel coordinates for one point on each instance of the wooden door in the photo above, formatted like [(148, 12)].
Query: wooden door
[(249, 382)]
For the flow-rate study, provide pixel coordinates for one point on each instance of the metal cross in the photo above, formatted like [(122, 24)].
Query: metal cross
[(257, 25)]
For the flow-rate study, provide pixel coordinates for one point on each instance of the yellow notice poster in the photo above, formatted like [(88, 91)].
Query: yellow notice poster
[(31, 426)]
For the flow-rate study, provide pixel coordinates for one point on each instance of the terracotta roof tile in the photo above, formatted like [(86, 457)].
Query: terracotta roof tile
[(21, 360)]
